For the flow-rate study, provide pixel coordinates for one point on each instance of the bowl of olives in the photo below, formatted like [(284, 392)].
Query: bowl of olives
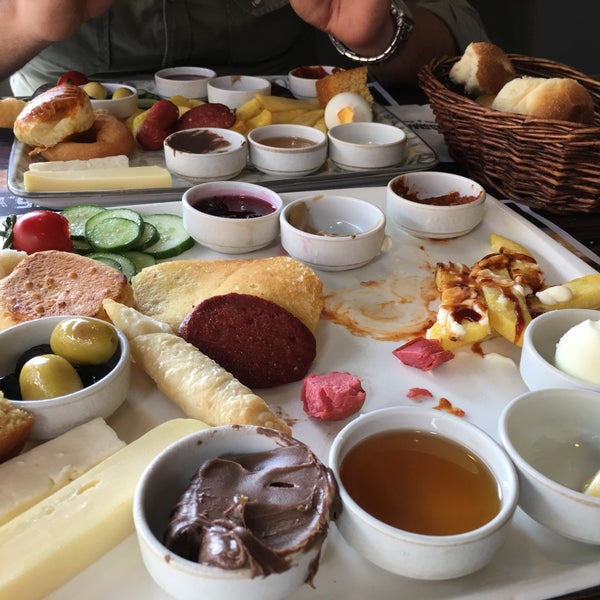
[(119, 99), (65, 370)]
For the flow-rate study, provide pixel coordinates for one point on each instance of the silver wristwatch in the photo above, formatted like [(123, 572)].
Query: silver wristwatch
[(403, 25)]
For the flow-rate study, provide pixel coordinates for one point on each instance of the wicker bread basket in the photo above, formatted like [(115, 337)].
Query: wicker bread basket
[(549, 165)]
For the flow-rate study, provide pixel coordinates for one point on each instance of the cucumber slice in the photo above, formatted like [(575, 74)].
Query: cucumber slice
[(81, 246), (115, 234), (110, 213), (150, 236), (174, 239), (123, 264), (78, 216), (141, 260)]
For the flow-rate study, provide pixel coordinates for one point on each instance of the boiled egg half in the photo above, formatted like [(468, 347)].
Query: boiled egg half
[(347, 107)]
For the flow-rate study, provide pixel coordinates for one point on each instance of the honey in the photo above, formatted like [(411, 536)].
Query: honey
[(420, 482)]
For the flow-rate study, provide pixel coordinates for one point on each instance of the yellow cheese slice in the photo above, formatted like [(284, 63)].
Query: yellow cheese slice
[(111, 178), (44, 547), (34, 475)]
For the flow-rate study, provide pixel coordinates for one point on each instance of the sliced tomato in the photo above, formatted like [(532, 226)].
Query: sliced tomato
[(74, 77), (41, 230)]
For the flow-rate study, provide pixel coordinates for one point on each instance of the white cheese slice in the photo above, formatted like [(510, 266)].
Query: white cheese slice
[(34, 475), (44, 547), (592, 486), (112, 178), (78, 165)]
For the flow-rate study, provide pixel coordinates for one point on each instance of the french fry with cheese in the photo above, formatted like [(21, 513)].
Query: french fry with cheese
[(197, 384), (582, 292), (498, 242)]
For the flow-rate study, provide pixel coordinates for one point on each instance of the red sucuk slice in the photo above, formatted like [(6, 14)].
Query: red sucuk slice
[(259, 342), (332, 396), (423, 353), (211, 114)]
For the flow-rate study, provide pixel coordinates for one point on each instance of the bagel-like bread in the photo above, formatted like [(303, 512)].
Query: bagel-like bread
[(484, 68), (106, 137), (53, 116), (554, 98), (10, 109)]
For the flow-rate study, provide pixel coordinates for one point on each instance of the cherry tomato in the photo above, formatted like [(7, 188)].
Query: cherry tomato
[(74, 77), (41, 230)]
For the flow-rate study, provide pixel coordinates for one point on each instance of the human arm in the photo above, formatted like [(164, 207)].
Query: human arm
[(367, 27), (28, 26)]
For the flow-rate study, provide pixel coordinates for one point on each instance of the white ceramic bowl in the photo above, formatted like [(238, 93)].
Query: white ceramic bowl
[(433, 221), (230, 235), (281, 150), (552, 436), (366, 145), (189, 82), (157, 492), (234, 90), (206, 153), (431, 557), (303, 80), (54, 416), (539, 345), (118, 107), (355, 228)]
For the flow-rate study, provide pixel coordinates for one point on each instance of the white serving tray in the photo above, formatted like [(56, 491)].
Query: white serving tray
[(534, 562)]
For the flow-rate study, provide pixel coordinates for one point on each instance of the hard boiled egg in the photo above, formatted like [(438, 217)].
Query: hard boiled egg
[(347, 107)]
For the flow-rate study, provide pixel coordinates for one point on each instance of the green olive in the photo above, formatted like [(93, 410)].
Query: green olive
[(95, 90), (48, 376), (83, 341), (121, 92)]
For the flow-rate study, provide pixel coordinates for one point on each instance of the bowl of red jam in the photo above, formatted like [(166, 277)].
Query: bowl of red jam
[(231, 217), (205, 153), (436, 205)]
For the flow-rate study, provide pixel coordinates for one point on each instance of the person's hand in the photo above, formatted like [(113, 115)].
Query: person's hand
[(364, 25), (55, 20)]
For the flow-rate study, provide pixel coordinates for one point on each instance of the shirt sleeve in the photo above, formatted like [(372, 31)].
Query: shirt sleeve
[(461, 18)]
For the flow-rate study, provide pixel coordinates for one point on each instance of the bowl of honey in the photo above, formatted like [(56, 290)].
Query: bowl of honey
[(426, 495)]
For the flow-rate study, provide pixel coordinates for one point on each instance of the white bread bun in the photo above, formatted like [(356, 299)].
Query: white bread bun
[(53, 116), (483, 69), (555, 98)]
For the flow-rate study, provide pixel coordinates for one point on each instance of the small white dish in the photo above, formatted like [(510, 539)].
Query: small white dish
[(332, 233), (231, 234), (552, 436), (415, 215), (205, 153), (159, 489), (234, 90), (122, 108), (537, 363), (421, 556), (303, 80), (55, 416), (189, 82), (365, 145), (286, 150)]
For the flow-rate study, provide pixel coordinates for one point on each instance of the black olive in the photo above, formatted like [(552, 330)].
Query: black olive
[(34, 351), (92, 373), (9, 386)]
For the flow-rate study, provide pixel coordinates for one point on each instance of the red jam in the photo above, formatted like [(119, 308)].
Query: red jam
[(240, 206)]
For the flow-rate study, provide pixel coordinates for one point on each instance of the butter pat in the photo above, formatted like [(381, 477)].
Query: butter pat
[(592, 486), (111, 178), (44, 547), (34, 475)]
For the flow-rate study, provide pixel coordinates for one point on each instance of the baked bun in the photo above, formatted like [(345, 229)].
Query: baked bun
[(484, 68), (53, 116), (15, 427), (10, 109), (556, 98)]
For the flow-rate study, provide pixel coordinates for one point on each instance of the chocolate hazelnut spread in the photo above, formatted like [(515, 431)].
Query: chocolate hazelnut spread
[(453, 198), (199, 142), (255, 511)]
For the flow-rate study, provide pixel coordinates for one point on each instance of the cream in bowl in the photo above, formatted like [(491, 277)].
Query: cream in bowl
[(231, 217), (436, 205), (561, 348), (287, 150), (366, 145), (64, 370), (189, 82), (258, 534), (332, 232), (206, 153), (118, 99), (303, 80), (553, 437), (425, 494), (234, 90)]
